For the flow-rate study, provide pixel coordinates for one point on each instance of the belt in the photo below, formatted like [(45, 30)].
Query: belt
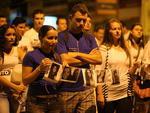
[(45, 99), (47, 96)]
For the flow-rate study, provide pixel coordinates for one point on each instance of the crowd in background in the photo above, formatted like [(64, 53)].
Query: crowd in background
[(121, 56)]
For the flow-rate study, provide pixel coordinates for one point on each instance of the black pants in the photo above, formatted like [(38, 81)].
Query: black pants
[(49, 104), (124, 105)]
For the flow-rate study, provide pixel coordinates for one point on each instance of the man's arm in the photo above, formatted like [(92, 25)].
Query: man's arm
[(78, 58), (94, 57), (69, 60)]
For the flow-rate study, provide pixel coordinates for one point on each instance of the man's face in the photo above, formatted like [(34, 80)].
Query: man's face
[(38, 20), (78, 21), (3, 21), (20, 28), (100, 35)]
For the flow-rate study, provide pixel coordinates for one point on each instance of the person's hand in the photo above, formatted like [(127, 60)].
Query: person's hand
[(94, 51), (20, 88), (19, 91), (134, 67), (65, 64), (142, 93), (44, 65)]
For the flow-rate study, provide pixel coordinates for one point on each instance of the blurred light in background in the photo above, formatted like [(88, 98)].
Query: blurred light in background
[(50, 20)]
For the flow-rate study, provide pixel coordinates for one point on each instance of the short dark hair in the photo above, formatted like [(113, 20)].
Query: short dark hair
[(37, 11), (99, 26), (18, 20), (79, 7), (60, 17), (3, 16)]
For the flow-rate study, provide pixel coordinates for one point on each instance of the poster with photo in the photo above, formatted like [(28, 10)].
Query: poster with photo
[(6, 73), (115, 77), (100, 76), (12, 72), (53, 72), (70, 74), (89, 77)]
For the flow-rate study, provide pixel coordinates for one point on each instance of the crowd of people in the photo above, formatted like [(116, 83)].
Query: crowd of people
[(122, 58)]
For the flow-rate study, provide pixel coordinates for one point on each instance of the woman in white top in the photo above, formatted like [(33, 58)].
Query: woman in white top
[(136, 42), (10, 56), (142, 84), (115, 91)]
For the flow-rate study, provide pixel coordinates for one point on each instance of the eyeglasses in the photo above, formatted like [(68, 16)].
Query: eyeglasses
[(80, 19)]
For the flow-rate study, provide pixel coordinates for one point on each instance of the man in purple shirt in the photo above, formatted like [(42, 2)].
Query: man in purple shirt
[(78, 48)]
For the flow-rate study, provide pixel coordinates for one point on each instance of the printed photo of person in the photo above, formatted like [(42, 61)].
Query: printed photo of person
[(115, 77), (88, 77), (66, 73), (100, 76), (53, 70), (75, 74)]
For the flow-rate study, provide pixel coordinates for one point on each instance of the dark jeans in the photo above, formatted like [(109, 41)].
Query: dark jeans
[(124, 105), (48, 104)]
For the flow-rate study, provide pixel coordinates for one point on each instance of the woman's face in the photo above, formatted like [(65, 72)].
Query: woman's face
[(137, 31), (10, 36), (115, 30), (50, 40), (88, 24)]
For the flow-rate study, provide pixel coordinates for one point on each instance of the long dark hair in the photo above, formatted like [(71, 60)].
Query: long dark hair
[(108, 40), (139, 42), (3, 30)]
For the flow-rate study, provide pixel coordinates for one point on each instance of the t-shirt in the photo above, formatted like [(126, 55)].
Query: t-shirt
[(115, 81), (11, 61), (68, 43), (30, 39), (9, 70), (39, 86)]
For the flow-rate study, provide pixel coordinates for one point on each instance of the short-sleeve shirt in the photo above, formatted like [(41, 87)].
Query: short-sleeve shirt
[(115, 81), (68, 43), (39, 86)]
